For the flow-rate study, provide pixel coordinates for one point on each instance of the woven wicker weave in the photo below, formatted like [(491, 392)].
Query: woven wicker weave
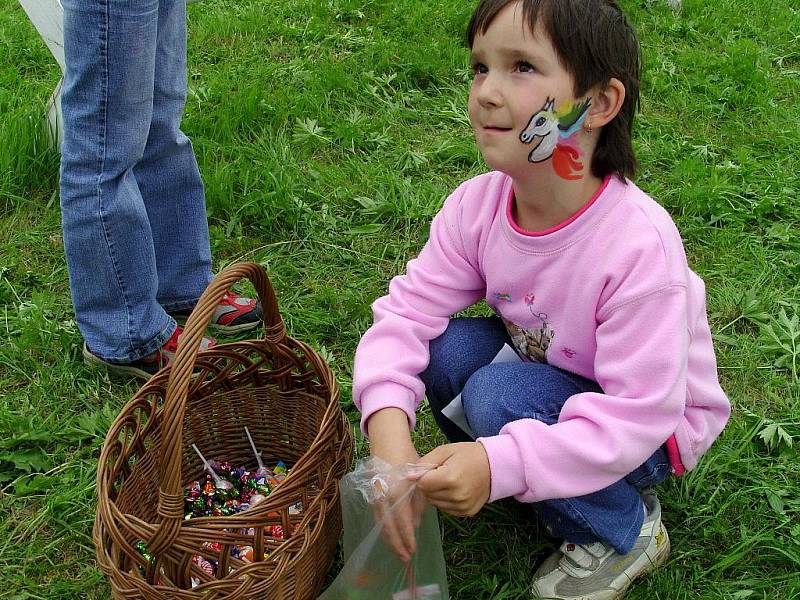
[(286, 395)]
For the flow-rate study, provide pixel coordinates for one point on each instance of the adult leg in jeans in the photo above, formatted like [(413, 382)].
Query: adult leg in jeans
[(495, 394), (111, 51), (168, 176)]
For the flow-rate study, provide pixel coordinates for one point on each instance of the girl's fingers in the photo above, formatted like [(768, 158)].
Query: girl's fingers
[(454, 508), (405, 522), (390, 533), (434, 481), (419, 504), (395, 540), (443, 495), (398, 527)]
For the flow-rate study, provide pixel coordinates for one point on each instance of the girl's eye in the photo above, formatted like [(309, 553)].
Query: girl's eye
[(524, 66), (479, 69)]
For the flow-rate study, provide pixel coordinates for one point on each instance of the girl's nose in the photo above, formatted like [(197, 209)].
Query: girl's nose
[(489, 93)]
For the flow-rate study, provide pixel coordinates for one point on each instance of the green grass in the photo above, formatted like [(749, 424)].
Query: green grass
[(328, 132)]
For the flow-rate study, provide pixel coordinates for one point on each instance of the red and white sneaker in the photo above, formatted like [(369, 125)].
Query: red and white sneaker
[(233, 314), (146, 367)]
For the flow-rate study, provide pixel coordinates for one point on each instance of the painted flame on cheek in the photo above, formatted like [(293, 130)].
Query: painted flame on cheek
[(567, 163)]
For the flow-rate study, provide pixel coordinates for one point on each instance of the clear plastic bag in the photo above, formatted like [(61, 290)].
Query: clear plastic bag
[(372, 571)]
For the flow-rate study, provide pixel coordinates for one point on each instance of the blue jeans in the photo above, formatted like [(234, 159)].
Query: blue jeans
[(496, 394), (133, 206)]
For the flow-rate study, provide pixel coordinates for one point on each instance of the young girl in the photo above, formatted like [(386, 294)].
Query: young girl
[(587, 276)]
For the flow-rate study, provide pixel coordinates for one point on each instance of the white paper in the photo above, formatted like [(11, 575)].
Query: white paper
[(455, 410)]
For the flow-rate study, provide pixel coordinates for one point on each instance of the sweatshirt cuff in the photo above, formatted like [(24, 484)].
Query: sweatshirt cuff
[(387, 395), (506, 467)]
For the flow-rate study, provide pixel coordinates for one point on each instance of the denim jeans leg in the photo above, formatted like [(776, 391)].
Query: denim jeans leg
[(496, 394), (168, 176), (500, 393), (613, 515), (107, 103), (466, 345)]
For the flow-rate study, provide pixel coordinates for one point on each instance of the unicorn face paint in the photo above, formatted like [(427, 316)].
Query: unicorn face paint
[(516, 72), (554, 132)]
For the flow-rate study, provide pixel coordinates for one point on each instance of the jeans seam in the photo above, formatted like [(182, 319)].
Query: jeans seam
[(657, 470), (630, 529), (100, 176)]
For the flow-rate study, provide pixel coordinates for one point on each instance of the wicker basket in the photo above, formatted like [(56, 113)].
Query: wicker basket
[(286, 395)]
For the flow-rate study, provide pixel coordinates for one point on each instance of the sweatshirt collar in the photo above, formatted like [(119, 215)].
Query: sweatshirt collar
[(568, 232)]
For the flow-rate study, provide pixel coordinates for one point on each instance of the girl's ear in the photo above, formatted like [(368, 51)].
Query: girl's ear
[(606, 103)]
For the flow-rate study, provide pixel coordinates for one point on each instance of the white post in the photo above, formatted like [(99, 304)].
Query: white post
[(48, 18)]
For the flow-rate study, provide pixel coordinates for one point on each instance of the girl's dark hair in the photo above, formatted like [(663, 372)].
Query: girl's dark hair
[(594, 42)]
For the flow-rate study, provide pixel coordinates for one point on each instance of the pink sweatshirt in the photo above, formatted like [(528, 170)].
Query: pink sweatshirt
[(608, 295)]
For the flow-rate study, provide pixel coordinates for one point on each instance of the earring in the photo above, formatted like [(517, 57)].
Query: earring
[(588, 126)]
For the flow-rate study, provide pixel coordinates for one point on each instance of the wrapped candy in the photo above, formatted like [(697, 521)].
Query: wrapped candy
[(222, 497), (244, 553), (142, 548), (206, 565), (227, 490), (219, 482)]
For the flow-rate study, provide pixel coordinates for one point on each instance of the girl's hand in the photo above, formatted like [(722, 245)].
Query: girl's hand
[(400, 523), (461, 484), (390, 440)]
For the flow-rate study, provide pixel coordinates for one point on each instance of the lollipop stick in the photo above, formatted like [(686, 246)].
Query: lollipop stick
[(253, 446), (218, 481)]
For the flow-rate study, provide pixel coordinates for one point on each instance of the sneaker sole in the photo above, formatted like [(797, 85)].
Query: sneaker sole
[(224, 329), (114, 369), (228, 329), (646, 562), (650, 563)]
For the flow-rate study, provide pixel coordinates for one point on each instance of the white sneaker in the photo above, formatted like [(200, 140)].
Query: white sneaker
[(596, 571)]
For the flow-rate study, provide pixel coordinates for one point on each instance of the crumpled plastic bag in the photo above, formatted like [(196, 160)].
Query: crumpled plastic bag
[(372, 571)]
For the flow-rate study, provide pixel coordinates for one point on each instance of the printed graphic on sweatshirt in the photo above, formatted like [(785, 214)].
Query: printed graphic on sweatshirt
[(568, 352), (535, 341), (554, 131)]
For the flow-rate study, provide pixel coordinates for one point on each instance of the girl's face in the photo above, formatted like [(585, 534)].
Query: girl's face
[(520, 94)]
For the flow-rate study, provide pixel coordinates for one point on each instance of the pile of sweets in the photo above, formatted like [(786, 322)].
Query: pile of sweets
[(232, 491), (229, 491)]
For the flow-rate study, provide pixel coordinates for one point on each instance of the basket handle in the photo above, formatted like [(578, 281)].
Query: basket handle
[(170, 494)]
